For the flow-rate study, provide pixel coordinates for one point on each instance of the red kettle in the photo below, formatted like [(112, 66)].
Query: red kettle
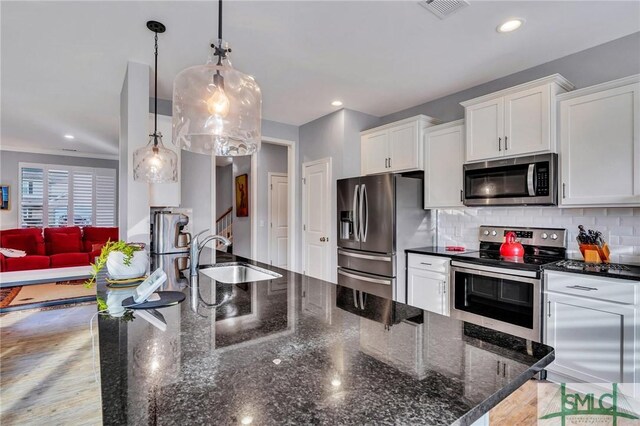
[(510, 247)]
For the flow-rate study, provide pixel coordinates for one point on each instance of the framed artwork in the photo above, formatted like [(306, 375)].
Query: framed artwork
[(4, 193), (242, 195)]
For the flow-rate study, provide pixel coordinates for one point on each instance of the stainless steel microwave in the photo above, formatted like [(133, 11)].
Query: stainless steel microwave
[(520, 181)]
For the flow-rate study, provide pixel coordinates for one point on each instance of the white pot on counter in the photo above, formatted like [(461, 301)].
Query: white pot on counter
[(136, 269)]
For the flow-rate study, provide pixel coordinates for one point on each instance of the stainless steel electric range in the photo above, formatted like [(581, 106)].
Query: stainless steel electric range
[(501, 293)]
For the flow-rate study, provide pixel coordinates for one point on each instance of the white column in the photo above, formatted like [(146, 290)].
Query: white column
[(133, 196)]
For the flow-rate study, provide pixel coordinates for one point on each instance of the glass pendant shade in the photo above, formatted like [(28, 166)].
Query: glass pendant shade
[(154, 163), (217, 110)]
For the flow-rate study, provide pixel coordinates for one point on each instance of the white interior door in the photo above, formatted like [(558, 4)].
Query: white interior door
[(316, 222), (278, 220)]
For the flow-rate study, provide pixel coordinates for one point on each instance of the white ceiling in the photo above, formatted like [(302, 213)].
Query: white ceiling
[(63, 63)]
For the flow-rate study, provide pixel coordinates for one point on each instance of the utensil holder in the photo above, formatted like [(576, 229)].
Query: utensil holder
[(595, 254)]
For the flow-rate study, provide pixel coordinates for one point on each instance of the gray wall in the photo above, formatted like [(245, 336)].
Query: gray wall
[(196, 189), (271, 159), (336, 136), (9, 175), (242, 225), (615, 59), (224, 189)]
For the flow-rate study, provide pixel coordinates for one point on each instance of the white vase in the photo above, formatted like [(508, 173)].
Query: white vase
[(119, 271)]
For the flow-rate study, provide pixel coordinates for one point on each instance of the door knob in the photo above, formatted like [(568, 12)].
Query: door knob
[(323, 239)]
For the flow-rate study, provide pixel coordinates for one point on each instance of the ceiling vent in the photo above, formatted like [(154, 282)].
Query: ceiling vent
[(444, 8)]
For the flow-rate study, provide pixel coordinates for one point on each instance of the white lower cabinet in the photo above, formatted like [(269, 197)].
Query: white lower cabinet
[(596, 337), (428, 283)]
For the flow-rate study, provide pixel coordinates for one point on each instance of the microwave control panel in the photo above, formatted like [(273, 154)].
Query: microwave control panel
[(542, 179)]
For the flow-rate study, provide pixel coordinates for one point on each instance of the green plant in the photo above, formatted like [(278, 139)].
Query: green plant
[(110, 246)]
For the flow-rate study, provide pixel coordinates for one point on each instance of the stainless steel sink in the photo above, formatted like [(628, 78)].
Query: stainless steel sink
[(238, 272)]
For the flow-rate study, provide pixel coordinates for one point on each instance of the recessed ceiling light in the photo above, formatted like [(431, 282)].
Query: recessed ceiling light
[(336, 103), (69, 136), (510, 25)]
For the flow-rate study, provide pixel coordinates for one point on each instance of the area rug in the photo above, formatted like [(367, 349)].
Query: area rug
[(44, 293)]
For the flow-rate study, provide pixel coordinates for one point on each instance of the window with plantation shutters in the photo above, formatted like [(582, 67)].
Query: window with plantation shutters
[(31, 196), (105, 198), (83, 198), (63, 196), (57, 197)]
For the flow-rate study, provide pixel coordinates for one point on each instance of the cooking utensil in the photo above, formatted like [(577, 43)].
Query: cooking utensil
[(511, 247)]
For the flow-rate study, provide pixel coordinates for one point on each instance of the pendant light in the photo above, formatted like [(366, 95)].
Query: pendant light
[(217, 109), (154, 163)]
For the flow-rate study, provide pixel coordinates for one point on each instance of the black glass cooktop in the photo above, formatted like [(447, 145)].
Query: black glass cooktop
[(534, 258)]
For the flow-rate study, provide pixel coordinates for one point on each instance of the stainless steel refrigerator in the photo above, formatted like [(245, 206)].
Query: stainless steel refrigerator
[(379, 216)]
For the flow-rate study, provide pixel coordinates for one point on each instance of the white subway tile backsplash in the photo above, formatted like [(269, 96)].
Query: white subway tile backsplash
[(619, 226), (630, 241), (608, 220)]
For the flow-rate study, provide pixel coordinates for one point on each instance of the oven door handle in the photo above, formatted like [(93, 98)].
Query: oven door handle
[(530, 180), (487, 271)]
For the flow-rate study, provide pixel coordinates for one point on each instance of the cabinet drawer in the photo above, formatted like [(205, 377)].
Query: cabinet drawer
[(429, 263), (613, 290)]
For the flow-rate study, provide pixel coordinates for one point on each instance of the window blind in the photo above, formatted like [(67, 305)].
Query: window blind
[(63, 195), (31, 196)]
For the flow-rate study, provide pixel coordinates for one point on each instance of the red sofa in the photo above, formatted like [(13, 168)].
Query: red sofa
[(54, 247)]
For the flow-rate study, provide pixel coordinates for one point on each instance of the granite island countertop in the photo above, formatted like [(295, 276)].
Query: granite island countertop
[(282, 352)]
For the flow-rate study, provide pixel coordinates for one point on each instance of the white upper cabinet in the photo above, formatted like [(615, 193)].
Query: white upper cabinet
[(165, 194), (443, 159), (527, 121), (515, 121), (600, 145), (394, 147), (375, 152), (485, 124)]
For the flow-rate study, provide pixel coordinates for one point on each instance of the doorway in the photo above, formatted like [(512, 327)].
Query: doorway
[(316, 219), (278, 220), (276, 157)]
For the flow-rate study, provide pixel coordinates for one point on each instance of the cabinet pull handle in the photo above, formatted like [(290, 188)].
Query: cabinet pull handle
[(499, 144), (549, 309), (385, 163), (582, 287), (461, 196), (564, 193), (506, 147), (504, 366), (425, 263), (389, 162), (497, 368)]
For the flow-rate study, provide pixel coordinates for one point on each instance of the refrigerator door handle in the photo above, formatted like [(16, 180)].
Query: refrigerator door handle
[(360, 218), (356, 230), (365, 200)]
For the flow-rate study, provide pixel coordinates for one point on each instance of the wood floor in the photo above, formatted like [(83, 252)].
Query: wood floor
[(47, 376), (46, 368)]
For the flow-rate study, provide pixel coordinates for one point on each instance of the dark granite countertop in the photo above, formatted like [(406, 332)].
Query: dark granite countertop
[(282, 352), (437, 251), (632, 272)]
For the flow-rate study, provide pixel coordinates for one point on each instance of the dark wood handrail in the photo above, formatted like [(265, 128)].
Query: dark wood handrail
[(229, 210)]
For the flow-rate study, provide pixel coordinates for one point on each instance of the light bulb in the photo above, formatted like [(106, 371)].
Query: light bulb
[(218, 104)]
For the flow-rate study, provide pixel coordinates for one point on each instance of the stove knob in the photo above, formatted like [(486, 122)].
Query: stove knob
[(494, 233), (544, 235), (485, 233), (554, 236)]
